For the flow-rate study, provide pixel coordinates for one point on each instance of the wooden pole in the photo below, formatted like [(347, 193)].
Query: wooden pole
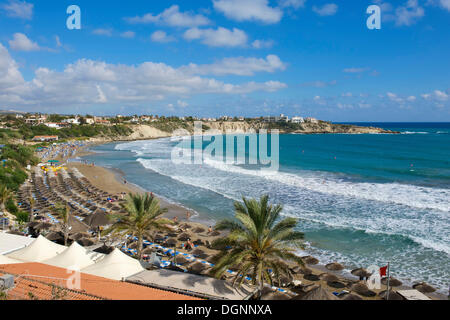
[(388, 278)]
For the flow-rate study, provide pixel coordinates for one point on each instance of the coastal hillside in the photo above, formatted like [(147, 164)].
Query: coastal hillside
[(166, 129)]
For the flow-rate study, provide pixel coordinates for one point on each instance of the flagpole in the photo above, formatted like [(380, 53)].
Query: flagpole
[(388, 278)]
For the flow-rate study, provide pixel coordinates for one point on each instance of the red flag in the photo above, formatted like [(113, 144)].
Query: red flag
[(383, 271)]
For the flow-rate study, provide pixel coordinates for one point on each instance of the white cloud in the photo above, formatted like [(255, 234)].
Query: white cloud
[(220, 37), (409, 13), (445, 4), (319, 84), (436, 95), (262, 44), (20, 42), (411, 98), (172, 17), (10, 75), (296, 4), (88, 82), (161, 36), (355, 70), (103, 32), (128, 34), (249, 10), (238, 66), (19, 9), (394, 97), (182, 104), (329, 9)]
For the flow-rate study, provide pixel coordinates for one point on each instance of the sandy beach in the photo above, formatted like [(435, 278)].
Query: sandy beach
[(113, 181)]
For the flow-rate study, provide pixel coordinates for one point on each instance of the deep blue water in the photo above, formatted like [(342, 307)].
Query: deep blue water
[(361, 199)]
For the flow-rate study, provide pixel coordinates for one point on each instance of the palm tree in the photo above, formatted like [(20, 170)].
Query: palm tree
[(5, 194), (32, 203), (144, 214), (64, 212), (259, 241)]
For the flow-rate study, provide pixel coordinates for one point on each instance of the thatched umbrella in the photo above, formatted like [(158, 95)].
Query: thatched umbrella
[(361, 273), (33, 224), (198, 242), (170, 242), (203, 256), (334, 266), (362, 289), (296, 270), (350, 296), (197, 268), (79, 235), (275, 296), (85, 242), (181, 260), (199, 230), (328, 277), (198, 251), (318, 293), (98, 219), (392, 295), (55, 236), (148, 250), (43, 226), (310, 260), (311, 277), (424, 287), (215, 233), (184, 237), (104, 249), (392, 282)]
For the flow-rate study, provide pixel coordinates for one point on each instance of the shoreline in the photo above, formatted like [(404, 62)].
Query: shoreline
[(115, 183)]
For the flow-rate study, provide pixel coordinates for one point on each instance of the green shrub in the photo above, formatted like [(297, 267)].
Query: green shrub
[(11, 206)]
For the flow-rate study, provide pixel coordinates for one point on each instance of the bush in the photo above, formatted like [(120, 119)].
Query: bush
[(22, 217), (11, 206)]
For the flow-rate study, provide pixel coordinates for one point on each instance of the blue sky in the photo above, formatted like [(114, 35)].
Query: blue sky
[(228, 57)]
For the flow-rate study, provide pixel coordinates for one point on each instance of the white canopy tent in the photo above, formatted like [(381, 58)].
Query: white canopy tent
[(74, 258), (116, 266), (12, 242), (412, 295), (39, 250), (6, 260)]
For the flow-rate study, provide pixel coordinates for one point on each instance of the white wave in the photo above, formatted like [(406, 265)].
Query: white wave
[(408, 195)]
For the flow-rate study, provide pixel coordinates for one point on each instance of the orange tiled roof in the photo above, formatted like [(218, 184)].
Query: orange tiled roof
[(38, 278)]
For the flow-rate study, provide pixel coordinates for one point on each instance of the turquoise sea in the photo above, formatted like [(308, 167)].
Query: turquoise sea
[(361, 199)]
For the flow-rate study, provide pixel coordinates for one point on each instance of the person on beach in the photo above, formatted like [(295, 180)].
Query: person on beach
[(189, 245), (175, 219), (210, 230), (188, 215)]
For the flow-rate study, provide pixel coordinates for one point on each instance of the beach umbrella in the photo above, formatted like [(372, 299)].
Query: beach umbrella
[(181, 260), (424, 287), (329, 277), (334, 266), (361, 273), (55, 236), (198, 242), (362, 289), (184, 237), (392, 282), (33, 224), (199, 230), (198, 251), (98, 219), (275, 296), (310, 260), (43, 226), (311, 277), (79, 235), (392, 295), (296, 270), (215, 233), (318, 293), (350, 296), (186, 226), (104, 249), (171, 242), (197, 268), (85, 242)]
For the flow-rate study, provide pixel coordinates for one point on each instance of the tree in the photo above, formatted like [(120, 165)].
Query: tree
[(5, 194), (144, 215), (261, 244), (64, 212), (32, 203)]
